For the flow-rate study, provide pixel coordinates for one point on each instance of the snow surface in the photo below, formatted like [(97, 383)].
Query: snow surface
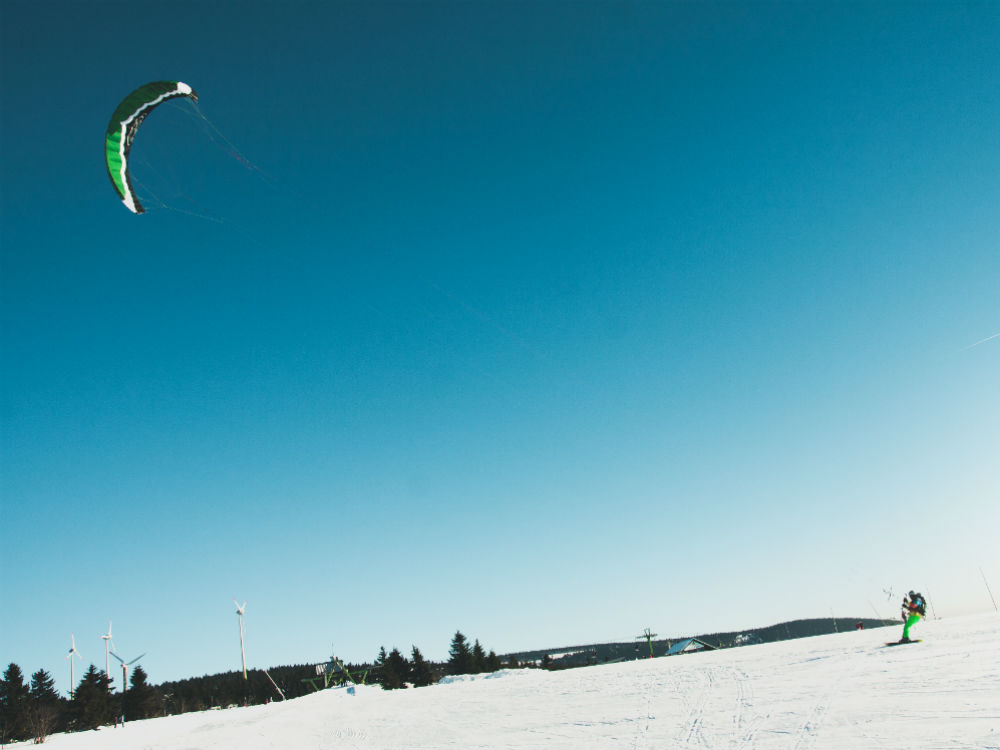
[(834, 691)]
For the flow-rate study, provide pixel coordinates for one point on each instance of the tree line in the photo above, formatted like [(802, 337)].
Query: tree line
[(394, 671), (33, 709)]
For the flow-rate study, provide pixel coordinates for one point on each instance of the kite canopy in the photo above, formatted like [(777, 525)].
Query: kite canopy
[(123, 126)]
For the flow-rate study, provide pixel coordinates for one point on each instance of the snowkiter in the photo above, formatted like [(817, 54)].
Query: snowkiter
[(914, 607)]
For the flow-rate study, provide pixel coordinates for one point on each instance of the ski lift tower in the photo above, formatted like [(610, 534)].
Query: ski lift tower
[(649, 636)]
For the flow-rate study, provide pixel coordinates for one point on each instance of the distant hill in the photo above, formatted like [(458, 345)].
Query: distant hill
[(603, 653)]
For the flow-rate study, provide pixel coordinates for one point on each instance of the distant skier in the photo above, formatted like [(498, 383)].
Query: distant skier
[(914, 607)]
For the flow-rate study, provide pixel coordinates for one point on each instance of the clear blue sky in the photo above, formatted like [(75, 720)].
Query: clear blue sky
[(548, 322)]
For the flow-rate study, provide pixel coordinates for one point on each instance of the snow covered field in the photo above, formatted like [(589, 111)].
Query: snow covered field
[(836, 691)]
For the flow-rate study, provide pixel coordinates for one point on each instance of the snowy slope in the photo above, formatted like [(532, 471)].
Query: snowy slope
[(835, 691)]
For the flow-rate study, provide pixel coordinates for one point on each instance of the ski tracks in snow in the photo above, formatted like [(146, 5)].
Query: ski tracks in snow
[(695, 704), (809, 731), (692, 731), (683, 707), (745, 720), (646, 715)]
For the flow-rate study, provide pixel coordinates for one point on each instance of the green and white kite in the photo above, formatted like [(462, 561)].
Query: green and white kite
[(123, 126)]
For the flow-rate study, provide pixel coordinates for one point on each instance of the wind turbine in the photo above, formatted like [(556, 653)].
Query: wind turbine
[(125, 666), (239, 611), (72, 651), (107, 646)]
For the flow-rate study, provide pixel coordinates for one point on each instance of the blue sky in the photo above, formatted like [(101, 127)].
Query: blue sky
[(548, 322)]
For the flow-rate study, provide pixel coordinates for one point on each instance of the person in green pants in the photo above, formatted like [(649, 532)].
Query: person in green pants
[(914, 607)]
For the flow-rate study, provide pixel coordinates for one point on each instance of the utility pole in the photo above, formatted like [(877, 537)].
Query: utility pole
[(649, 636)]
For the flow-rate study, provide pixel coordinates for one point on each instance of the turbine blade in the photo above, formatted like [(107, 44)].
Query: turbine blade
[(136, 659)]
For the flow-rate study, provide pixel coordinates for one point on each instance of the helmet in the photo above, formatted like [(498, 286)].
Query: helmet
[(911, 595)]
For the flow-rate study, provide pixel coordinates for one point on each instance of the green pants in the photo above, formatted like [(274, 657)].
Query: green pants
[(910, 622)]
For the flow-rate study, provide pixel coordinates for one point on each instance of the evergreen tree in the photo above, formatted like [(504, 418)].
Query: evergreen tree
[(420, 671), (141, 701), (13, 705), (393, 669), (46, 707), (381, 676), (478, 658), (43, 687), (398, 668), (460, 657), (493, 662), (93, 705)]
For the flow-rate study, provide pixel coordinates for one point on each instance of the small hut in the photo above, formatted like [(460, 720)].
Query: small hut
[(689, 646)]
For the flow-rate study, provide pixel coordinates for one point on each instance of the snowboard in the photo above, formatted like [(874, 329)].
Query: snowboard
[(904, 643)]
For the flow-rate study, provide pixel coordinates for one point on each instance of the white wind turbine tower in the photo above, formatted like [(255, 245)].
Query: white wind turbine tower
[(239, 611), (125, 666), (72, 652), (107, 647)]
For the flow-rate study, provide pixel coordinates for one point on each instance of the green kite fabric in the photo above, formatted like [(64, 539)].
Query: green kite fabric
[(123, 126)]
